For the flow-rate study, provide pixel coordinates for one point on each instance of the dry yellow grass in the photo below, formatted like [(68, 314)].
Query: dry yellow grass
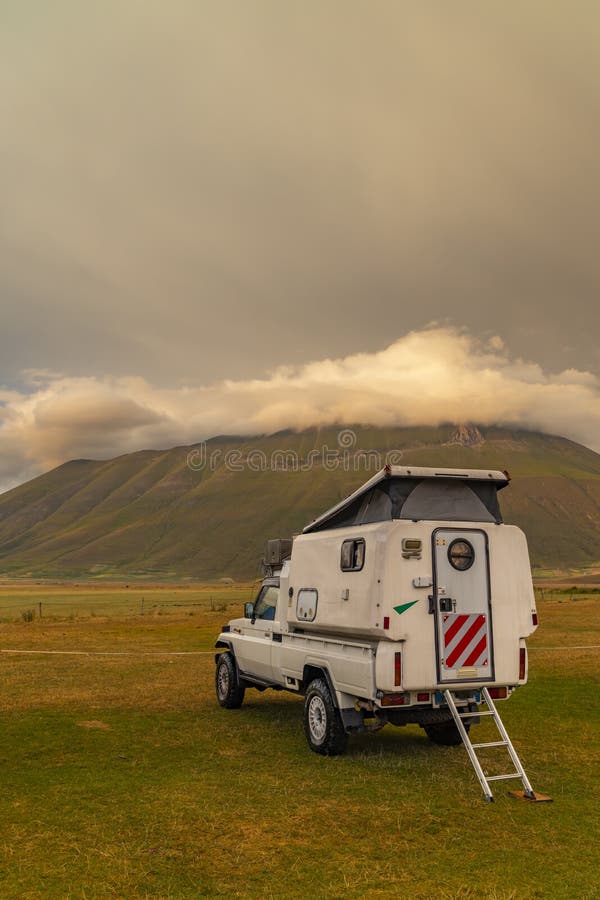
[(123, 778)]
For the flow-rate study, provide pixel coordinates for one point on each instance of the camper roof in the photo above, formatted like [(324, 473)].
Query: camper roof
[(415, 474)]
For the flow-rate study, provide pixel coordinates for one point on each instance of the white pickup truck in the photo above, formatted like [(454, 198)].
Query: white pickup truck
[(409, 589)]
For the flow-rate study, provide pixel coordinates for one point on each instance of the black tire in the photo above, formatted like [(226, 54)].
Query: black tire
[(230, 691), (445, 733), (322, 722)]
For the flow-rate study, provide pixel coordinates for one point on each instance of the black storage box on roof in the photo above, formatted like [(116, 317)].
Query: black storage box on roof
[(277, 551)]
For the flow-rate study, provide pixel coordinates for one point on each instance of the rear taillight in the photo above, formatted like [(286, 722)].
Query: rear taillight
[(422, 697), (534, 618), (500, 693), (386, 622), (398, 669), (395, 699), (522, 663)]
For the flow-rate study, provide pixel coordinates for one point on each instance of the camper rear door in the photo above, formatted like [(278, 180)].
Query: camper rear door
[(462, 606)]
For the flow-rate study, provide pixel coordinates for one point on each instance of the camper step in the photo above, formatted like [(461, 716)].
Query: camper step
[(490, 744), (485, 712)]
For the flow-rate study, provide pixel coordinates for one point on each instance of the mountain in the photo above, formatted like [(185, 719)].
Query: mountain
[(205, 511)]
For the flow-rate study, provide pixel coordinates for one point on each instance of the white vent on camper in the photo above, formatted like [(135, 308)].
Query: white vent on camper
[(412, 548), (306, 605)]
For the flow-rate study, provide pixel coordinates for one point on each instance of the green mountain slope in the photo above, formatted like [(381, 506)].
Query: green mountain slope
[(150, 513)]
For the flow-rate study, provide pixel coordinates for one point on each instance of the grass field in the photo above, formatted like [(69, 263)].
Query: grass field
[(121, 777)]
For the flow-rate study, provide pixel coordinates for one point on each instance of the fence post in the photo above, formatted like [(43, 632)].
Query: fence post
[(40, 608)]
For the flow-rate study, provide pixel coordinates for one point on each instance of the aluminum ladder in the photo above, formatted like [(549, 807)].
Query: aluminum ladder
[(484, 780)]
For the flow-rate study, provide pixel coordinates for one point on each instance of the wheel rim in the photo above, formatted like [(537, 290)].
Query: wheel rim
[(223, 681), (317, 719)]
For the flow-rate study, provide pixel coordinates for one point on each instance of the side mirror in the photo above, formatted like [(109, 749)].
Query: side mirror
[(249, 610)]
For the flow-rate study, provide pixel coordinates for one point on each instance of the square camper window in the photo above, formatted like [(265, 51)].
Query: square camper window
[(353, 555)]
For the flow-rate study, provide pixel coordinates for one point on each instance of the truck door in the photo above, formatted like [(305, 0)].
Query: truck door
[(462, 605), (255, 651)]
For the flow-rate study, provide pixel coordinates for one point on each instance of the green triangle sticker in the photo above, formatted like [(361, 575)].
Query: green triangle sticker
[(404, 606)]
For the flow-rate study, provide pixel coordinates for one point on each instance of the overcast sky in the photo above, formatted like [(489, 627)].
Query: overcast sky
[(200, 191)]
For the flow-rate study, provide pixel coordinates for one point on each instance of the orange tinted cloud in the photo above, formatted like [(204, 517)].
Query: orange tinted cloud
[(426, 377)]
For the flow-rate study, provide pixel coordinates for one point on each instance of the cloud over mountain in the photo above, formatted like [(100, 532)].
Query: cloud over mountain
[(439, 374)]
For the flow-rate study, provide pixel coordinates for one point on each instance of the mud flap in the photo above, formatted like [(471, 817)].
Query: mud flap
[(352, 720)]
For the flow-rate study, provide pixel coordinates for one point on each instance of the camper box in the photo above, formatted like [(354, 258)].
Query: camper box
[(419, 557), (408, 602)]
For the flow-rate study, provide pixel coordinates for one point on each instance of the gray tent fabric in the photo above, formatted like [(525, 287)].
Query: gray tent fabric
[(438, 499), (376, 507), (447, 501)]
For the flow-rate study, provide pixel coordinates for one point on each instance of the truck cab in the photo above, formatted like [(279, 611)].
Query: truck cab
[(254, 647)]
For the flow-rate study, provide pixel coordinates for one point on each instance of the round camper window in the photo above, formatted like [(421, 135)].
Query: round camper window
[(461, 555)]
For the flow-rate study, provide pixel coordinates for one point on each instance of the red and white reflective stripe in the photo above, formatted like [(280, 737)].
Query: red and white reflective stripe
[(465, 640)]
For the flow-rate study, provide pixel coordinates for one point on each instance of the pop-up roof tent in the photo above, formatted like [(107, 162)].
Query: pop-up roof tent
[(418, 493)]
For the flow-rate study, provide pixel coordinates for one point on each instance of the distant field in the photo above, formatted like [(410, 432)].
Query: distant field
[(88, 599), (123, 778), (54, 601)]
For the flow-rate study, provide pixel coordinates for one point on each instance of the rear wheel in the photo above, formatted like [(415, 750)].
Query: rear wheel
[(230, 693), (322, 722), (445, 733)]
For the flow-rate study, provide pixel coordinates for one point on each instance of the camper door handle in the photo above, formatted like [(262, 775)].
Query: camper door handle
[(447, 604)]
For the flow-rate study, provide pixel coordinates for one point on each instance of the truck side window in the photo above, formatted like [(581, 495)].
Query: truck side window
[(353, 555), (265, 606)]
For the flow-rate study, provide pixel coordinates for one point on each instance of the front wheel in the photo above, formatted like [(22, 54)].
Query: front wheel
[(445, 733), (322, 722), (230, 693)]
